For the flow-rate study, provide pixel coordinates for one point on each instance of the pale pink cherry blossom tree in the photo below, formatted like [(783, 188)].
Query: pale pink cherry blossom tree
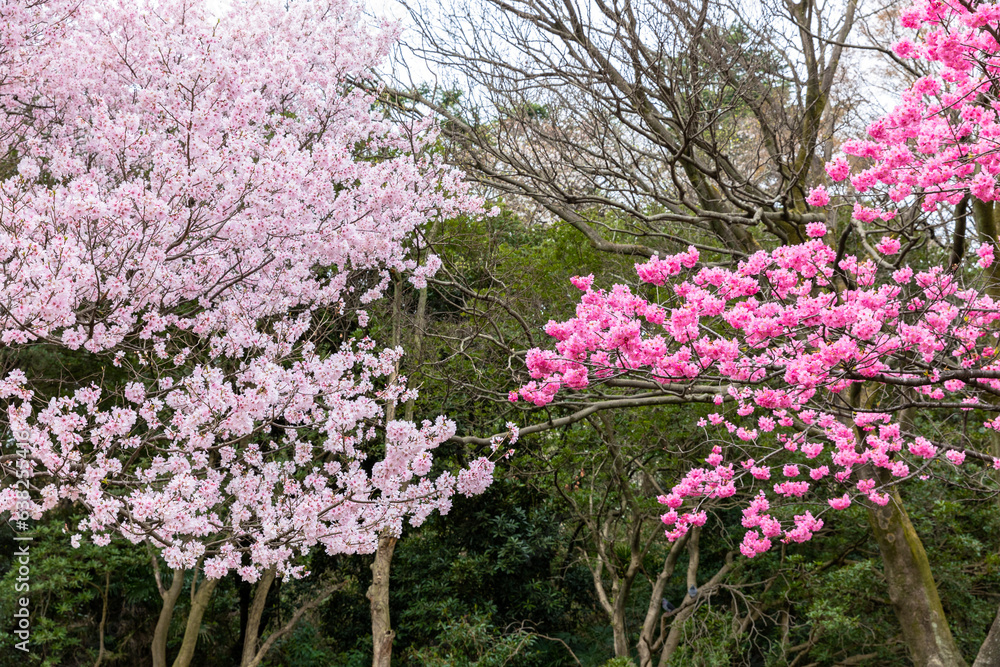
[(824, 356), (195, 198)]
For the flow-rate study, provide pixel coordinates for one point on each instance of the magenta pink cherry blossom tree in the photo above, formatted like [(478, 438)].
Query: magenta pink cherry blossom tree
[(190, 198), (824, 356), (792, 352)]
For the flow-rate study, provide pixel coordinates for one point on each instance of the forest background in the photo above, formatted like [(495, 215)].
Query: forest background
[(606, 133)]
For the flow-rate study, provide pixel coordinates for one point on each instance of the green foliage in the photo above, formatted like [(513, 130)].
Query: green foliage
[(307, 647), (496, 562), (707, 640), (619, 662), (66, 592), (473, 641)]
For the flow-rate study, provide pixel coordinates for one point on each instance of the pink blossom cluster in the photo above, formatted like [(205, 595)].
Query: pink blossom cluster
[(784, 344), (940, 140), (174, 166), (211, 490), (196, 193)]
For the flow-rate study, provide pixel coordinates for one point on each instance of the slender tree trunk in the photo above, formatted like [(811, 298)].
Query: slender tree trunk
[(623, 577), (687, 608), (292, 622), (989, 652), (252, 631), (160, 634), (419, 326), (378, 592), (613, 604), (382, 632), (199, 602), (618, 624), (104, 618), (674, 636), (655, 609)]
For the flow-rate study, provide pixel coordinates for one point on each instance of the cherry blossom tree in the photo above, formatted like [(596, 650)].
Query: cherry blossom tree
[(195, 201), (824, 357)]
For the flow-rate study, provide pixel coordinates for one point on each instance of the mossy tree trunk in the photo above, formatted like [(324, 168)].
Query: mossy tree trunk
[(907, 570), (912, 589)]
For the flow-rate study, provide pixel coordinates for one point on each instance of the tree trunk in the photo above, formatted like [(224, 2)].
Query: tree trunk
[(618, 625), (912, 589), (252, 631), (160, 634), (104, 618), (908, 575), (419, 326), (199, 602), (646, 638), (292, 622), (687, 608), (613, 604), (989, 652), (382, 632), (673, 639), (378, 592)]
